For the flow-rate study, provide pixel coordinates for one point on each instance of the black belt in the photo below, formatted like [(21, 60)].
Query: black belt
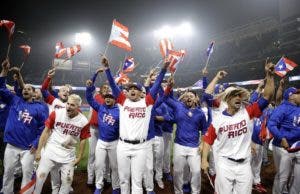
[(237, 160), (133, 141)]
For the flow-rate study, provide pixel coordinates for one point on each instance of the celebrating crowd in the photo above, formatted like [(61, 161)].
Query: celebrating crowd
[(224, 131)]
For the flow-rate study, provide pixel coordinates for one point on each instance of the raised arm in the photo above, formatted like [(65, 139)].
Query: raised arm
[(5, 94), (90, 88), (115, 89), (279, 92), (269, 86), (211, 86), (18, 76), (155, 88)]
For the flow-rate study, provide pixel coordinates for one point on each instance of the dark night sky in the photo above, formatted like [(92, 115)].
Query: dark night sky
[(46, 22)]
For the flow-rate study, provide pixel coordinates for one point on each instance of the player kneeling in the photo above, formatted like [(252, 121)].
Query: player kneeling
[(63, 129)]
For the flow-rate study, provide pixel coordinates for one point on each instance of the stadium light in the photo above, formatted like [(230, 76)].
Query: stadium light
[(183, 30), (83, 38)]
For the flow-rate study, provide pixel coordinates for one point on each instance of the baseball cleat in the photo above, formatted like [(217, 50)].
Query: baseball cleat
[(98, 191), (116, 191), (258, 187), (168, 177), (150, 192), (186, 188), (160, 184)]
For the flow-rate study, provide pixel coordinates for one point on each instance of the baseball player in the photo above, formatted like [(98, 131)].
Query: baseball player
[(94, 129), (259, 136), (108, 115), (64, 128), (25, 123), (284, 125), (231, 134), (189, 120), (135, 115), (54, 103)]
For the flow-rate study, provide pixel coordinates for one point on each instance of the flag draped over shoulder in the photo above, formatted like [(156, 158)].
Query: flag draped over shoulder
[(10, 26), (128, 65), (119, 36), (283, 66)]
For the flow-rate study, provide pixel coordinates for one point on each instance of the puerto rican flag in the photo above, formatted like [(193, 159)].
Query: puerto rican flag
[(175, 57), (26, 49), (59, 50), (283, 66), (119, 36), (71, 51), (121, 78), (210, 49), (128, 65), (165, 45), (10, 26), (199, 83)]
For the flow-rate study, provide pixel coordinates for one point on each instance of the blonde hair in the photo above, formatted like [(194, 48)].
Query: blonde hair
[(76, 98)]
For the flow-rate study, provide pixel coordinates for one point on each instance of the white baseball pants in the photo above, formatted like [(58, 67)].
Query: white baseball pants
[(183, 156), (103, 151), (45, 166), (286, 164), (91, 160), (148, 173), (158, 157), (167, 151), (256, 161), (131, 164), (233, 177), (12, 156)]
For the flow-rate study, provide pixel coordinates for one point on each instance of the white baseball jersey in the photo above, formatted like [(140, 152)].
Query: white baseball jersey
[(54, 103), (231, 135), (134, 117), (66, 133)]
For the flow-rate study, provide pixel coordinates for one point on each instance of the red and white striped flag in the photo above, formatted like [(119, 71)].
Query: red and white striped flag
[(175, 57), (165, 45), (10, 26), (119, 36), (26, 49), (59, 50), (71, 51)]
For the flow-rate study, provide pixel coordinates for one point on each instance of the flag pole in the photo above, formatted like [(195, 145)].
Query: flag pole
[(207, 60), (25, 59), (8, 50), (106, 48)]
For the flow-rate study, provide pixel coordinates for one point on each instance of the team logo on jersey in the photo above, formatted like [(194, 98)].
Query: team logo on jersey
[(296, 121), (234, 130), (190, 114), (2, 106), (109, 119), (25, 116), (135, 112)]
